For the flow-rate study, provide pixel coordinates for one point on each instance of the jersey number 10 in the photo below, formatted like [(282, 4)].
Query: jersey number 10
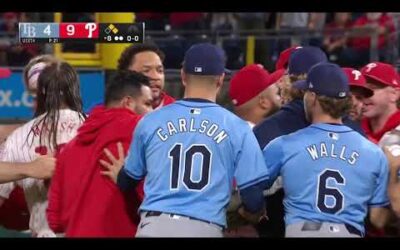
[(175, 154)]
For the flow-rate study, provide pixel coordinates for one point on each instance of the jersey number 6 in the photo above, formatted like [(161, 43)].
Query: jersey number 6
[(175, 155), (325, 191)]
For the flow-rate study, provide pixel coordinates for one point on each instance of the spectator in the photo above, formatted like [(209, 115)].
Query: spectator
[(255, 21), (358, 52), (335, 35), (224, 22), (296, 22), (187, 21), (153, 20), (316, 24), (16, 54)]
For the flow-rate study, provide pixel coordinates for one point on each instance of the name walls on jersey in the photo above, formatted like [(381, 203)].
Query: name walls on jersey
[(7, 99), (332, 151), (193, 125)]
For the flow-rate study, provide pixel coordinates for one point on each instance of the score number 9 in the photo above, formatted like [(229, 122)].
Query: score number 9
[(70, 30)]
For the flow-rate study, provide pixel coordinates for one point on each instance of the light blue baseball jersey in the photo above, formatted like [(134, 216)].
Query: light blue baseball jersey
[(330, 174), (189, 152)]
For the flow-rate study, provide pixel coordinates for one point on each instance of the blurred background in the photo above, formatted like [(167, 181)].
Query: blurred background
[(350, 39)]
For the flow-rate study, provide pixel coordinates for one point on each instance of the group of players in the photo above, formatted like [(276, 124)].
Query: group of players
[(298, 159)]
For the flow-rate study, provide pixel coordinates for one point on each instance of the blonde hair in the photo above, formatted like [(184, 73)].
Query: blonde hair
[(293, 93)]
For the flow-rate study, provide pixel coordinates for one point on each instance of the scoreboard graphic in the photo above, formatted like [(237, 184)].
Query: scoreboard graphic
[(96, 32)]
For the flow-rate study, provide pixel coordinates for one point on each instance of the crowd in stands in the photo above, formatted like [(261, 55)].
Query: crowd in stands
[(344, 36)]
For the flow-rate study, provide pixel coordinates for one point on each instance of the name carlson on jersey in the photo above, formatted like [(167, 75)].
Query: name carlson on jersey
[(192, 126), (332, 151)]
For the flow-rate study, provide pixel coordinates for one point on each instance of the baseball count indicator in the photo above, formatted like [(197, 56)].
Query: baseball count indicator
[(96, 32)]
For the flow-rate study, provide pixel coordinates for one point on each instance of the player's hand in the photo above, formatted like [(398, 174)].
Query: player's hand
[(253, 218), (42, 168), (116, 164), (394, 161)]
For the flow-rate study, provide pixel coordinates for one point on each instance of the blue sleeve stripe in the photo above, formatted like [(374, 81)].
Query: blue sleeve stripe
[(380, 204), (252, 182)]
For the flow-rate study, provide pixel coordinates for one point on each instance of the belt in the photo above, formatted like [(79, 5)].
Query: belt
[(316, 226), (157, 213)]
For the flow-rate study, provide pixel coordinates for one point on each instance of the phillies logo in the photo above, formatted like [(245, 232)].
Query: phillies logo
[(356, 74), (370, 66)]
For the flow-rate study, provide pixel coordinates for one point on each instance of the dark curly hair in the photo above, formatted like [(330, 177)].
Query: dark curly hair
[(129, 53), (125, 83)]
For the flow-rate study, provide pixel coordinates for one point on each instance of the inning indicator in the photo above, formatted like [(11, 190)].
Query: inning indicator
[(96, 32)]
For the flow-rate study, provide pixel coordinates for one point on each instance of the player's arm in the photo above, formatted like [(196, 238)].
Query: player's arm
[(41, 168), (127, 173), (115, 169), (7, 156), (273, 157), (394, 184), (252, 177), (253, 202), (379, 204)]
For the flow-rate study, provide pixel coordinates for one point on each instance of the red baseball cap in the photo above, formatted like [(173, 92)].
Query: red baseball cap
[(248, 83), (283, 59), (277, 75), (5, 73), (357, 81), (383, 73)]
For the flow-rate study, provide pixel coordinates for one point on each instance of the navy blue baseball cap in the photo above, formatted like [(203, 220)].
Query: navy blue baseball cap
[(204, 59), (326, 79), (302, 59)]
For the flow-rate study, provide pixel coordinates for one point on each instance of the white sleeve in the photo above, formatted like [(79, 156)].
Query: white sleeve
[(7, 156), (38, 221)]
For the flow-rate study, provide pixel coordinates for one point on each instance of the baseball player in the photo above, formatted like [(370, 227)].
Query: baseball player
[(148, 60), (189, 152), (290, 118), (14, 213), (331, 174), (381, 113), (254, 93), (394, 184), (33, 69), (58, 116), (359, 92), (80, 198)]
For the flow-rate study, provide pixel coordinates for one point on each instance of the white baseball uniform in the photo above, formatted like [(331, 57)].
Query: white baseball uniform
[(20, 148)]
